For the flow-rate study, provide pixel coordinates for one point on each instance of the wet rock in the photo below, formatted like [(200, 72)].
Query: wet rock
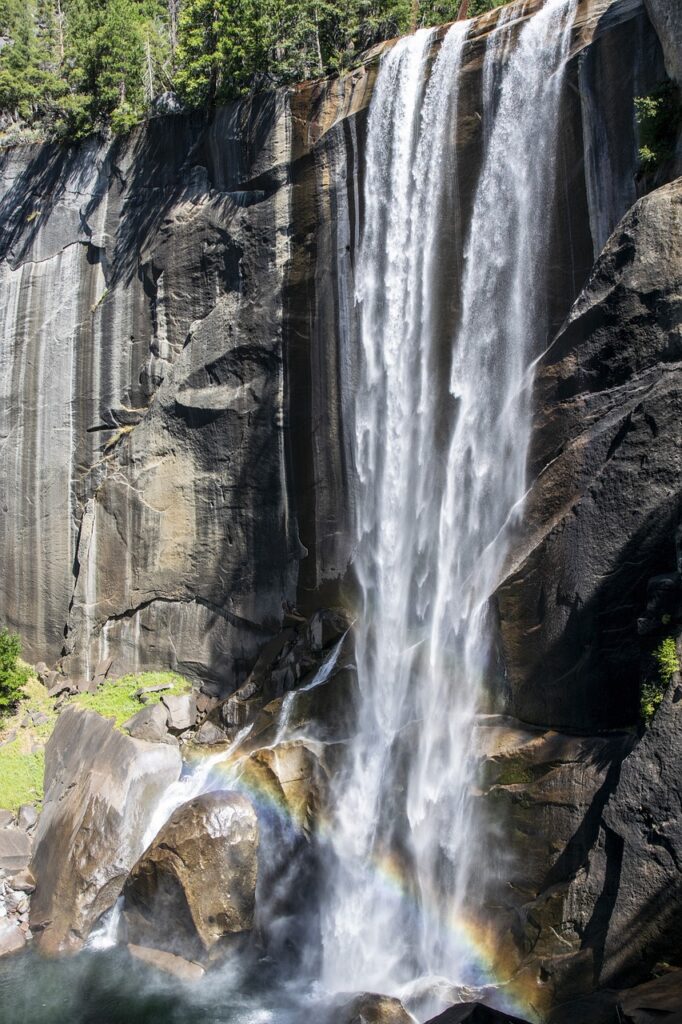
[(169, 963), (12, 938), (194, 888), (101, 787), (370, 1008), (150, 724), (293, 777), (182, 711), (325, 628), (475, 1013), (15, 849), (605, 469), (210, 733)]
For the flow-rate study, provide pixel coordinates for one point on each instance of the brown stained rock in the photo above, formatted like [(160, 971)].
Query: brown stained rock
[(292, 777), (371, 1008), (101, 787), (169, 963), (194, 888)]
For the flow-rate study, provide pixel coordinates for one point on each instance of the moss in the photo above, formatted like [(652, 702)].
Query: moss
[(117, 699), (513, 774)]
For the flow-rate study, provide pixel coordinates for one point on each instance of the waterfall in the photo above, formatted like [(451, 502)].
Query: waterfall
[(441, 479)]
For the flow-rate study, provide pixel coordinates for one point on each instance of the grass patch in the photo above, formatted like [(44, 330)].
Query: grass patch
[(22, 759), (117, 699)]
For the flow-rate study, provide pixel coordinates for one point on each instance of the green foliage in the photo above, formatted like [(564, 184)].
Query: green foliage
[(73, 67), (477, 7), (21, 775), (117, 699), (667, 660), (13, 674), (658, 118), (653, 692)]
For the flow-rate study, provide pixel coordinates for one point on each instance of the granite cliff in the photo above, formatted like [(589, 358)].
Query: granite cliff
[(178, 353)]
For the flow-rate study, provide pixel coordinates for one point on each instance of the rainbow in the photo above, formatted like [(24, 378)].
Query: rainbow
[(494, 968)]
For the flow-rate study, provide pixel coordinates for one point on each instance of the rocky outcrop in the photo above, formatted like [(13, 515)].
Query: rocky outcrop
[(605, 502), (100, 789), (194, 888), (474, 1013)]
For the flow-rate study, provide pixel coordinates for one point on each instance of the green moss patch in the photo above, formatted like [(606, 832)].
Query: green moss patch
[(26, 731), (118, 699)]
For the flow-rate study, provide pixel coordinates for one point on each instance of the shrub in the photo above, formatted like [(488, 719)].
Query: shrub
[(668, 664), (658, 118), (13, 676)]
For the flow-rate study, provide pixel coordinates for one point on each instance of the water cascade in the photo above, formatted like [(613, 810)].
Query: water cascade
[(440, 489)]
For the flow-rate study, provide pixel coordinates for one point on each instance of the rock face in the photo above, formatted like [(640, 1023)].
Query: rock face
[(602, 511), (182, 303), (100, 788), (194, 888)]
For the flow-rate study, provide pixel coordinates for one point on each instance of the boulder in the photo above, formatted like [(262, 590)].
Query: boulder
[(194, 888), (475, 1013), (370, 1008), (15, 849), (182, 711), (100, 789), (6, 818), (150, 724), (292, 777), (169, 963), (12, 938)]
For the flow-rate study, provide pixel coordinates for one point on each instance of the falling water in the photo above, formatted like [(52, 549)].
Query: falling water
[(439, 488)]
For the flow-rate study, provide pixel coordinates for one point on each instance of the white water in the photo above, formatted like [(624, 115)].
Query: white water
[(439, 488)]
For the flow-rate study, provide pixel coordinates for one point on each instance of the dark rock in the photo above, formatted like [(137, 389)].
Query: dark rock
[(325, 628), (210, 733), (655, 1001), (62, 686), (475, 1013), (100, 787), (15, 849), (601, 512), (194, 888)]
